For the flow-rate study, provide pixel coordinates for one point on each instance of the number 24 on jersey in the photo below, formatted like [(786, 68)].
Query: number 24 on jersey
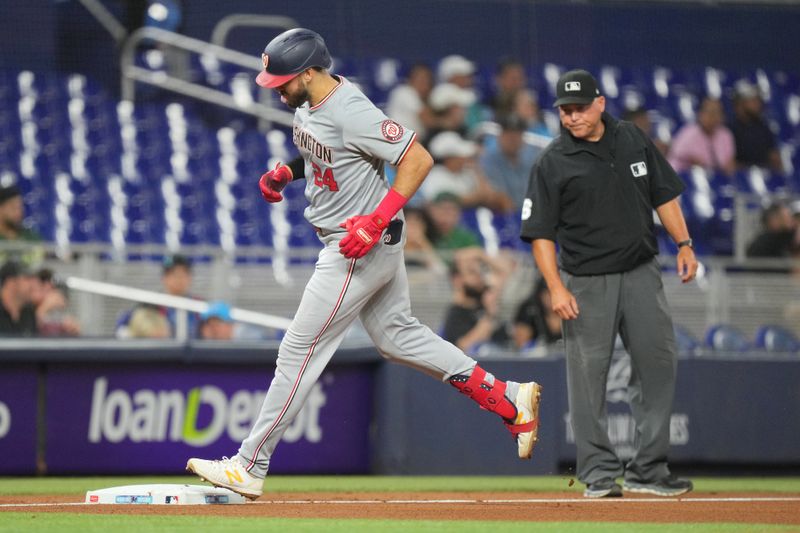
[(324, 179)]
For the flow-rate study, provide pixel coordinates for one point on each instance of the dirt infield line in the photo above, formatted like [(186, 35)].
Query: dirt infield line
[(736, 508), (614, 501)]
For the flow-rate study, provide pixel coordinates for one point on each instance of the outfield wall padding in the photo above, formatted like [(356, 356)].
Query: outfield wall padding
[(106, 408)]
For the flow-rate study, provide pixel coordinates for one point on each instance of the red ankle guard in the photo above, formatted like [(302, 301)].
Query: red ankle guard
[(489, 396)]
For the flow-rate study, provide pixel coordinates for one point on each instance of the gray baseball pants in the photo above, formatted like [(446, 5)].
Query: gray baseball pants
[(632, 304), (373, 288)]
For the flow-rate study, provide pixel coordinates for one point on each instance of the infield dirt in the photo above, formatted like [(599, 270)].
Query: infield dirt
[(754, 508)]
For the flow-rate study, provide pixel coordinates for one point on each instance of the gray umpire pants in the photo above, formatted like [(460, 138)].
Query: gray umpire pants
[(632, 304)]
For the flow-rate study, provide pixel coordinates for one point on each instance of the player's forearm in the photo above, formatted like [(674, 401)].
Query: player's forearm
[(412, 170), (544, 252), (671, 217)]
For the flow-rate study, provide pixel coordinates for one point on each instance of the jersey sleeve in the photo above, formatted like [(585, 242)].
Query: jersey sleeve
[(540, 209), (368, 130)]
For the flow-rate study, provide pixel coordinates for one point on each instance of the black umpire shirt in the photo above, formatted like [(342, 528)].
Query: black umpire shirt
[(596, 199)]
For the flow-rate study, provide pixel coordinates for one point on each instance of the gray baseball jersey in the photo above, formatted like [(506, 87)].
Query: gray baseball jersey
[(345, 141)]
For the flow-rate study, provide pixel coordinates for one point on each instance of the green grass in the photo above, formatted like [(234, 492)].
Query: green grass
[(79, 485), (65, 523)]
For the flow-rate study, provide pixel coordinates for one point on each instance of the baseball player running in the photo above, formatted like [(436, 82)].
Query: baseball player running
[(344, 141)]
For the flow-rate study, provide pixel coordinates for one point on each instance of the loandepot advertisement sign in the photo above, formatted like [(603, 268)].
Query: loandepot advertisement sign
[(18, 400), (172, 415), (140, 418)]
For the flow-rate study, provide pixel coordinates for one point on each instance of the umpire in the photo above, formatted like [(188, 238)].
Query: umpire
[(593, 191)]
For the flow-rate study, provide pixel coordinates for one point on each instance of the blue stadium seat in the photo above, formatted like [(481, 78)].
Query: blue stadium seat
[(666, 92), (686, 342), (726, 338), (775, 338)]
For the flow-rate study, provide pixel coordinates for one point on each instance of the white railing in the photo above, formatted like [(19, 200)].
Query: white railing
[(131, 73), (181, 304), (221, 30)]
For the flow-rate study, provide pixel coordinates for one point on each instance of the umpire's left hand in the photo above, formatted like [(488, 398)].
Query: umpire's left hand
[(687, 264)]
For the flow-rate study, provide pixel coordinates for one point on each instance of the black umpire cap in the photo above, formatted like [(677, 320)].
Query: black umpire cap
[(576, 87)]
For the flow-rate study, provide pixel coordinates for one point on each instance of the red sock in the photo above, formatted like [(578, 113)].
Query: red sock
[(488, 395)]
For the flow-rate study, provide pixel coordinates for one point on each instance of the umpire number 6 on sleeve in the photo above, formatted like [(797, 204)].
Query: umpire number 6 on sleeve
[(527, 208)]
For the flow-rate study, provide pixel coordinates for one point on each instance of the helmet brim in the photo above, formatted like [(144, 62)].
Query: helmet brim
[(270, 81)]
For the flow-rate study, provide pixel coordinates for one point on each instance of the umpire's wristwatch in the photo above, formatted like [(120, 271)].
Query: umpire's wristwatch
[(687, 242)]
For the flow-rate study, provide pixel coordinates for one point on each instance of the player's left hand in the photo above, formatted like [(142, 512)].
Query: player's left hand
[(273, 182), (687, 264), (363, 232)]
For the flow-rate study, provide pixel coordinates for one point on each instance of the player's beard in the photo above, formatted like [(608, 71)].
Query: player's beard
[(297, 99)]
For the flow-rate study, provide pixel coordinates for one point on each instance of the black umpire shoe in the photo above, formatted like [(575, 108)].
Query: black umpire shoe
[(605, 488), (668, 486)]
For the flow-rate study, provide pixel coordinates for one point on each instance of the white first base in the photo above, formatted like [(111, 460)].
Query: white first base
[(164, 495)]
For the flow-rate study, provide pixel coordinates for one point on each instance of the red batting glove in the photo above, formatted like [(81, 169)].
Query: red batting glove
[(363, 233), (273, 182)]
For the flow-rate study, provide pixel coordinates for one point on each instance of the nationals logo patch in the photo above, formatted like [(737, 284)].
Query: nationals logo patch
[(392, 131)]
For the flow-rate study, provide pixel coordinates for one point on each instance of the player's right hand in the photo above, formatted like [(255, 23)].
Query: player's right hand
[(564, 303), (273, 182), (363, 233)]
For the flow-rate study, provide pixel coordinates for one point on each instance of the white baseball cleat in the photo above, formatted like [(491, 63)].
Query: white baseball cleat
[(229, 474), (526, 424)]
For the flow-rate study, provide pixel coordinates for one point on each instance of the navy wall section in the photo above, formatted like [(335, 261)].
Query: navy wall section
[(726, 411), (42, 34), (737, 410)]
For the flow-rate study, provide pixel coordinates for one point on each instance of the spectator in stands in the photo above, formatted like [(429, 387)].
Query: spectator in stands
[(449, 104), (17, 313), (146, 322), (217, 324), (755, 141), (526, 106), (177, 281), (780, 236), (509, 79), (707, 143), (176, 278), (419, 250), (12, 214), (457, 172), (460, 71), (508, 162), (535, 322), (407, 103), (446, 232), (472, 319), (51, 299), (641, 119)]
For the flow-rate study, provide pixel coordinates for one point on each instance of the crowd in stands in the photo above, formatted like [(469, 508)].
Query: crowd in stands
[(33, 302), (476, 168), (484, 141), (147, 321)]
